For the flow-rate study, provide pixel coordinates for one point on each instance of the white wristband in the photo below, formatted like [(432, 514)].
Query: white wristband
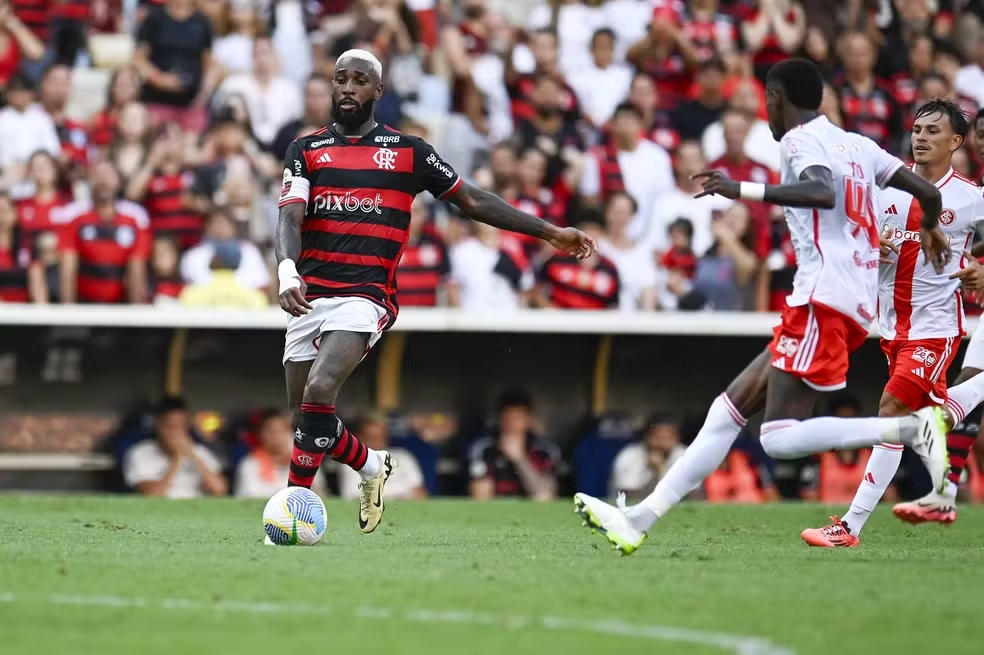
[(751, 191), (289, 277)]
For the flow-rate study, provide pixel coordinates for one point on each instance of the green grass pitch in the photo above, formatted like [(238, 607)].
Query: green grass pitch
[(110, 576)]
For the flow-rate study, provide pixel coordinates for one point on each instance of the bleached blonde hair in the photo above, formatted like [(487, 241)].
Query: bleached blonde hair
[(363, 55)]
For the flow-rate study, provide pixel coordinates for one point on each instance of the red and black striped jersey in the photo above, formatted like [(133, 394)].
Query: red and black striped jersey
[(14, 262), (74, 139), (70, 9), (35, 16), (357, 194), (104, 249), (169, 217), (34, 218), (424, 267), (102, 128), (874, 114), (573, 285)]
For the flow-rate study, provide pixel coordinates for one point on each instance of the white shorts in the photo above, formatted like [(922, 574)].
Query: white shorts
[(328, 315), (974, 357)]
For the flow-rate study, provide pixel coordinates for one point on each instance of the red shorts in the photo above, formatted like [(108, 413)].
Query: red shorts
[(814, 343), (917, 370)]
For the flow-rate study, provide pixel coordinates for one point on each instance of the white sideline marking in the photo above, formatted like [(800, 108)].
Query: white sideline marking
[(736, 644)]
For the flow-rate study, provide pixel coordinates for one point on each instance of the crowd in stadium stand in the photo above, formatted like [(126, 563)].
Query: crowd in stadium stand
[(141, 142), (177, 453)]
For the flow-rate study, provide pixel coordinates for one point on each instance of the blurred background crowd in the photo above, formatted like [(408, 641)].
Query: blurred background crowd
[(141, 142), (173, 452)]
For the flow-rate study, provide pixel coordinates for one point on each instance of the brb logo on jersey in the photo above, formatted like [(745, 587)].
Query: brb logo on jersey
[(332, 202), (385, 159)]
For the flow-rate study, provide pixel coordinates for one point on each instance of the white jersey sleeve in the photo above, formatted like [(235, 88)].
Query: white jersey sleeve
[(885, 165)]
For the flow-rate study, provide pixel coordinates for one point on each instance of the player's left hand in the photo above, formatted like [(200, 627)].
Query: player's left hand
[(936, 246), (716, 183), (887, 246), (971, 276), (573, 242)]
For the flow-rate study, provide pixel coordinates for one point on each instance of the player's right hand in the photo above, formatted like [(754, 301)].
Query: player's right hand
[(292, 300), (971, 276), (936, 246)]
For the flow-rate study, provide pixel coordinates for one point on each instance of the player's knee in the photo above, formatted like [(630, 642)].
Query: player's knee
[(777, 439), (322, 388)]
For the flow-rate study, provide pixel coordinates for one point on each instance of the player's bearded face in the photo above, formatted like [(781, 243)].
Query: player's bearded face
[(350, 113)]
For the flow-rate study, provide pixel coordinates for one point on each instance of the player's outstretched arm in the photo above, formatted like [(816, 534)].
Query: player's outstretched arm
[(288, 247), (931, 238), (485, 207), (814, 190)]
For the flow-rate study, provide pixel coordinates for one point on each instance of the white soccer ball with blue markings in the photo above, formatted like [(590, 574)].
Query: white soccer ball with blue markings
[(295, 516)]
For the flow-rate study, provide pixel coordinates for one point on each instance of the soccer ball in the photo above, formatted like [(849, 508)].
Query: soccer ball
[(295, 516)]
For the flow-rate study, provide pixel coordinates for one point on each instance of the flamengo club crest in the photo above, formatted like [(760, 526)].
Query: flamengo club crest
[(385, 159)]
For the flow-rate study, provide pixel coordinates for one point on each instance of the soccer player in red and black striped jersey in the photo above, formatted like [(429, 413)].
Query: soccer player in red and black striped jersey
[(344, 217), (104, 252)]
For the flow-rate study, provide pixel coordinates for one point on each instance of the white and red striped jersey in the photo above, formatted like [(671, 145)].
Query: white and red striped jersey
[(914, 301), (836, 249)]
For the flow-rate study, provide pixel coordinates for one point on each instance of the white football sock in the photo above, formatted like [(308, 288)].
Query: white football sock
[(372, 466), (791, 439), (963, 398), (702, 457), (950, 491), (878, 474)]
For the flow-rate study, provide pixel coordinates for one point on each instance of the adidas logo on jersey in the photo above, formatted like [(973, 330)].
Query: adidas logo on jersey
[(892, 211), (919, 372), (324, 159)]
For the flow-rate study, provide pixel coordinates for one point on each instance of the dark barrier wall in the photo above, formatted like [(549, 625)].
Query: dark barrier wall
[(72, 370)]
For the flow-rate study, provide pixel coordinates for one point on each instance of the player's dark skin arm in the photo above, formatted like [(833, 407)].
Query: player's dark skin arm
[(490, 209), (288, 246), (815, 190)]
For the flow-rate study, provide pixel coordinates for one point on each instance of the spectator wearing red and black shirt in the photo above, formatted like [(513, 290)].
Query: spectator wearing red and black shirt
[(37, 214), (691, 118), (163, 186), (658, 121), (423, 274), (549, 130), (771, 31), (54, 91), (104, 252), (906, 68), (666, 55), (711, 32), (165, 283), (867, 105), (567, 283), (35, 15), (124, 88), (534, 197), (738, 166), (546, 61), (513, 462), (21, 278)]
